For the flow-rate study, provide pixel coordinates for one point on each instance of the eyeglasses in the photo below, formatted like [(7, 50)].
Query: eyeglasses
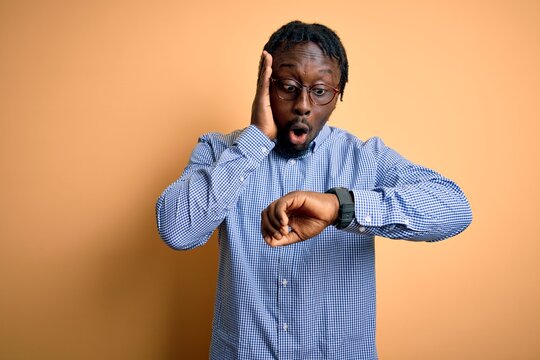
[(289, 89)]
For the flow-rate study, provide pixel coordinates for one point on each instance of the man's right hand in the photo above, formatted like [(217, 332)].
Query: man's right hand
[(261, 112), (298, 216)]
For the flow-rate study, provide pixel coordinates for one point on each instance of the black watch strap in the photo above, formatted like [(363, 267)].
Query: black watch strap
[(346, 207)]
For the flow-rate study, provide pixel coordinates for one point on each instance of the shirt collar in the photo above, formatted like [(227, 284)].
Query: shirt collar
[(323, 134), (315, 143)]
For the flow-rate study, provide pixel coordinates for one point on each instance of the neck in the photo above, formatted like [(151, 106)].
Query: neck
[(288, 153)]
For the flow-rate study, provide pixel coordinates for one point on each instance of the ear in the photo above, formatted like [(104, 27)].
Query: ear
[(334, 102)]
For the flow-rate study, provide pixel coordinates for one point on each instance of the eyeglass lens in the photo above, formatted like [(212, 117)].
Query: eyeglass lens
[(289, 89)]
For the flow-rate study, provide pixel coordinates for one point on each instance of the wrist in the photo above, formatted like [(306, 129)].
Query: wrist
[(345, 213), (333, 200), (270, 133)]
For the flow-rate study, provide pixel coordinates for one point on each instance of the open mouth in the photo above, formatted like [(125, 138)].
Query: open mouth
[(298, 133)]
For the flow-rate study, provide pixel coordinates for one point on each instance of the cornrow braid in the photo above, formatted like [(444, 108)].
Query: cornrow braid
[(297, 32)]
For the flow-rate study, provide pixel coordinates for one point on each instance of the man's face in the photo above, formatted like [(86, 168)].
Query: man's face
[(299, 121)]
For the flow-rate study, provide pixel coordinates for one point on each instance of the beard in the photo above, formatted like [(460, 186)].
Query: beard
[(294, 140)]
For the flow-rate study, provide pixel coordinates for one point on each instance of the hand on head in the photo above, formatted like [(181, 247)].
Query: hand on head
[(261, 112)]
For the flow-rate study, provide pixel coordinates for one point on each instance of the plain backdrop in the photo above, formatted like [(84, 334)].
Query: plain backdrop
[(101, 103)]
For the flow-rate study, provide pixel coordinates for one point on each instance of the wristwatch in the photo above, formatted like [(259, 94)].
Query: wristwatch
[(346, 207)]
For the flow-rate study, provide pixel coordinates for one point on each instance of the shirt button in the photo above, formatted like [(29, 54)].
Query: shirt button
[(293, 161), (406, 222), (362, 229), (242, 178), (284, 282), (285, 327), (263, 150), (367, 218)]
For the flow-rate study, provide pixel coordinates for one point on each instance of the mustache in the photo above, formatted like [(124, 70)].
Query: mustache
[(300, 124)]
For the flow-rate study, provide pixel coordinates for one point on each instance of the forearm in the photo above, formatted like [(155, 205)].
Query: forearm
[(191, 208), (426, 211)]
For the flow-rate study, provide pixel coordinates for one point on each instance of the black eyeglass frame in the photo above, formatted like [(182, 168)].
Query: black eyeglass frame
[(309, 90)]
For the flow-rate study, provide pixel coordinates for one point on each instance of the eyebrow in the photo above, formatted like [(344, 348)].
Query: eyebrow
[(286, 65)]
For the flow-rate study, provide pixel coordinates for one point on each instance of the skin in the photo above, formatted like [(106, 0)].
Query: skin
[(299, 215)]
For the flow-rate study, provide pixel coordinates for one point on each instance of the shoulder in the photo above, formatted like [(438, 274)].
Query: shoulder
[(210, 145), (219, 139), (345, 148), (218, 142), (340, 138)]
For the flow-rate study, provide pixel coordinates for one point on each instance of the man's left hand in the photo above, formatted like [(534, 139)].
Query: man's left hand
[(298, 216)]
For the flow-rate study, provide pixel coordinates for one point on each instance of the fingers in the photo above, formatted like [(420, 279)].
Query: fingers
[(274, 221), (268, 229), (261, 112), (295, 217), (291, 238), (281, 210), (265, 70), (267, 66), (266, 73)]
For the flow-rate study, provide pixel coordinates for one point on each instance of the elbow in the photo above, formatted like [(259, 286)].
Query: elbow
[(167, 233), (176, 233), (456, 216), (170, 238), (456, 224), (169, 228), (464, 218), (467, 217), (176, 237)]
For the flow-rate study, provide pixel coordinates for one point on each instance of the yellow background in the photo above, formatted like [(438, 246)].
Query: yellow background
[(101, 103)]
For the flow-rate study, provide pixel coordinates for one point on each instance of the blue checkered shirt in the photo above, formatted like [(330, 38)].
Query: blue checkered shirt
[(314, 299)]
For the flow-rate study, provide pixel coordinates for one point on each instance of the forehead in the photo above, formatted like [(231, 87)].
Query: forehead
[(305, 59)]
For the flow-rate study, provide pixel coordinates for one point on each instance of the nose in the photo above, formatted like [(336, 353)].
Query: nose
[(302, 104)]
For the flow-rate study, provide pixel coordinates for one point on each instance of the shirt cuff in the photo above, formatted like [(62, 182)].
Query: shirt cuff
[(368, 208), (253, 143), (370, 211)]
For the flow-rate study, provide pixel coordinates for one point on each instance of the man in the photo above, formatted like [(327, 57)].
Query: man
[(289, 179)]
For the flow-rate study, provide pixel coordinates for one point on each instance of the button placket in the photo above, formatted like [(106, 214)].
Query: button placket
[(284, 297)]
